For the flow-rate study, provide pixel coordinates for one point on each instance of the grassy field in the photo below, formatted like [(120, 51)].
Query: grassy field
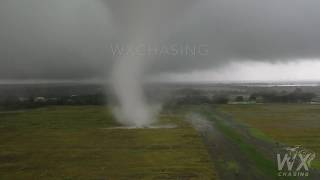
[(237, 153), (291, 124), (77, 143)]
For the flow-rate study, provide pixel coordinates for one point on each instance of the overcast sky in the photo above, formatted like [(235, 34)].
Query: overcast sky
[(246, 39)]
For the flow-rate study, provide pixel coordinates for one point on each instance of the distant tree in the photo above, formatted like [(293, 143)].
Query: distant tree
[(220, 100), (296, 96)]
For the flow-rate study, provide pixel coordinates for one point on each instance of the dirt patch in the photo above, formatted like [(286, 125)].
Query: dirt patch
[(167, 126)]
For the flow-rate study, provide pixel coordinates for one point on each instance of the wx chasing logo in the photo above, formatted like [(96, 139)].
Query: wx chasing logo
[(294, 161)]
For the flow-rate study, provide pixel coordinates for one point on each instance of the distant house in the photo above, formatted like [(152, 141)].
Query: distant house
[(40, 100)]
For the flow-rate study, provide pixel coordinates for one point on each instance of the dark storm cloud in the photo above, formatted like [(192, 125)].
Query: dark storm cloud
[(52, 39), (69, 39), (249, 30)]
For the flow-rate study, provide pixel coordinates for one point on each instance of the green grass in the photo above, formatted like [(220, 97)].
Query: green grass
[(291, 124), (75, 143), (233, 166)]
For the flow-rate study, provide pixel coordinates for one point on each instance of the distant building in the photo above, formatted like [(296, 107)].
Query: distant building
[(40, 99)]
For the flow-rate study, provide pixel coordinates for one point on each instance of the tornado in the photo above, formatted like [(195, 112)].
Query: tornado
[(127, 84), (139, 22)]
